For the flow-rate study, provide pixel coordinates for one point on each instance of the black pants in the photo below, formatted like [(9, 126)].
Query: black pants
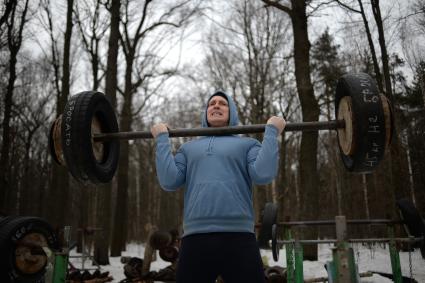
[(233, 256)]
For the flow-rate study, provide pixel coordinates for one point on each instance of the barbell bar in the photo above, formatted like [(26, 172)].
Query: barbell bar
[(85, 138), (248, 129)]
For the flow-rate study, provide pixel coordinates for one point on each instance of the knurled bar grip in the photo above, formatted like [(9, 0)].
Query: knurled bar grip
[(303, 126)]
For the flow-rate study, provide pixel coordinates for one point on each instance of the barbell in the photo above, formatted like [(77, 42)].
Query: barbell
[(85, 138)]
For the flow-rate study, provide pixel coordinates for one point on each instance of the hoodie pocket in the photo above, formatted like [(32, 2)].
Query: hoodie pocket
[(218, 200)]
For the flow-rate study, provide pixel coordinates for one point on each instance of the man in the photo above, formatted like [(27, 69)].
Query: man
[(217, 173)]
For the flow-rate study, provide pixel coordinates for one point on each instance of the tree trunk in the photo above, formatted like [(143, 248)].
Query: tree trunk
[(282, 183), (8, 101), (66, 54), (103, 221), (399, 165), (14, 41), (119, 234), (59, 189), (104, 193), (26, 189), (308, 176), (372, 49), (111, 68), (66, 73)]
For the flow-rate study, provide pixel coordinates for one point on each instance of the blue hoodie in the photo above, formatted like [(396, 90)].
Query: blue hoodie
[(217, 173)]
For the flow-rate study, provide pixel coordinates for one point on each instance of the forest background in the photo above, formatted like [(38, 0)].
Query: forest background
[(159, 60)]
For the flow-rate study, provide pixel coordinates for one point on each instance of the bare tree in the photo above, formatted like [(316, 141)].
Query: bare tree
[(31, 109), (46, 20), (15, 26), (103, 194), (362, 12), (412, 27), (59, 189), (308, 176), (92, 27), (6, 10), (137, 76)]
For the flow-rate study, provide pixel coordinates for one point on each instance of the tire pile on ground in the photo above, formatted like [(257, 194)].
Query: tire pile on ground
[(25, 246), (133, 272), (80, 276), (275, 274)]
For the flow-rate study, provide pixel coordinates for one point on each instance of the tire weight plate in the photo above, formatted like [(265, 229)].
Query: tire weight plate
[(14, 230), (369, 132), (268, 219), (78, 150), (55, 141), (275, 246)]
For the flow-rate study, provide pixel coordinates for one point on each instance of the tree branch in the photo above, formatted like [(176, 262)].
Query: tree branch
[(279, 6), (347, 7)]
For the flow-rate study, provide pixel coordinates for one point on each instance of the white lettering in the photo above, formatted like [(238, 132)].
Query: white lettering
[(373, 119), (364, 83), (373, 99), (373, 129)]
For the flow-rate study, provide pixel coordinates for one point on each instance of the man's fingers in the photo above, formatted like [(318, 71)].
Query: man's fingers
[(278, 122), (158, 128)]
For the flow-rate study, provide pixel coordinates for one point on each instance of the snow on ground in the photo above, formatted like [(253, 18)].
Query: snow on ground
[(368, 259)]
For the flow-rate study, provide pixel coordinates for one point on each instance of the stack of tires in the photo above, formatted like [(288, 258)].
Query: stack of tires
[(25, 245)]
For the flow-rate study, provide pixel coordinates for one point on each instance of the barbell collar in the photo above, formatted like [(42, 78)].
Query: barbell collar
[(248, 129)]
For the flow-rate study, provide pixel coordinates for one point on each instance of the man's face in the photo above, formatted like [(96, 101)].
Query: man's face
[(218, 112)]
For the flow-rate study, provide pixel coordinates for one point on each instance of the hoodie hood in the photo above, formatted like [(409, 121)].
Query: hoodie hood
[(233, 113)]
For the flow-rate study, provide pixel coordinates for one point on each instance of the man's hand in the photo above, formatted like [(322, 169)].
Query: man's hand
[(278, 122), (158, 128)]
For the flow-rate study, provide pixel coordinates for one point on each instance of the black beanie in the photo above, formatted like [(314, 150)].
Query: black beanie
[(219, 93)]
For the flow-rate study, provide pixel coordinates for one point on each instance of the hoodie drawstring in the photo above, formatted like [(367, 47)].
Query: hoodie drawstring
[(209, 149)]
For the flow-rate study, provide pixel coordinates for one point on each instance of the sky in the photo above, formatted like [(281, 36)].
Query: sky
[(332, 17), (191, 51)]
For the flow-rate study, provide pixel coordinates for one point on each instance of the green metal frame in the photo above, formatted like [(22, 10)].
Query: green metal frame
[(294, 260), (342, 257), (299, 258), (394, 256), (290, 265), (60, 266)]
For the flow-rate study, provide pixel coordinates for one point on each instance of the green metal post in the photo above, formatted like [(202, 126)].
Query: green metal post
[(61, 259), (289, 248), (299, 270), (395, 257), (354, 273), (331, 269), (59, 272)]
